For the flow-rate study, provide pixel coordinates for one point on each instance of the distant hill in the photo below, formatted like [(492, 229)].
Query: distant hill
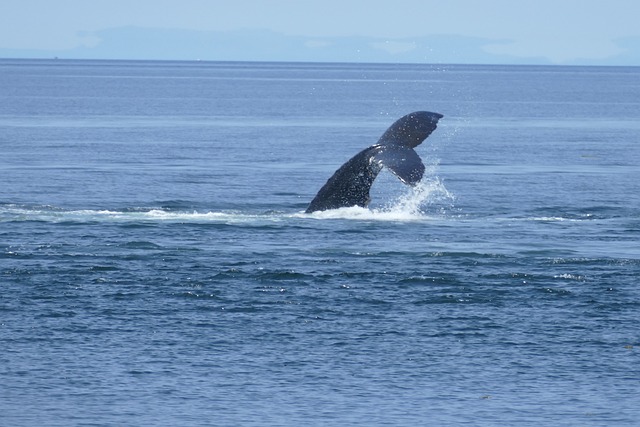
[(263, 45)]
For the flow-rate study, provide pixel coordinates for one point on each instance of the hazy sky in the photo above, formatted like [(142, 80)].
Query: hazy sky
[(559, 31)]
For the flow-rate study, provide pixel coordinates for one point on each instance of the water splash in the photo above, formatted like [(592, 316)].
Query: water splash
[(430, 197)]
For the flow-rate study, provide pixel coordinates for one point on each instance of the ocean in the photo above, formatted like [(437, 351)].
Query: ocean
[(157, 267)]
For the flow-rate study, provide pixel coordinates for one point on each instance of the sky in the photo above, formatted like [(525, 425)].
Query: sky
[(571, 32)]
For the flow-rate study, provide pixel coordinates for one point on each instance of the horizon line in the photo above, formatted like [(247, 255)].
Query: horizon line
[(249, 61)]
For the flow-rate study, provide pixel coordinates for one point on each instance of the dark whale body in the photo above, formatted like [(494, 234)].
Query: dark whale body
[(350, 185)]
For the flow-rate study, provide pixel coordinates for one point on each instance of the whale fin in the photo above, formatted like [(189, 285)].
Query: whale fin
[(403, 162), (410, 130), (350, 184)]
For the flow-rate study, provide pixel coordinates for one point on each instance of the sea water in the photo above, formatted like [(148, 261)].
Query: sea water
[(156, 266)]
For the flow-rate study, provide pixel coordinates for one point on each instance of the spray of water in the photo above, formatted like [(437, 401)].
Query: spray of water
[(427, 199)]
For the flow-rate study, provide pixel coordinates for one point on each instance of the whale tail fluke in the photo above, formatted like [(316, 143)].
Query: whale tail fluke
[(403, 162), (411, 130), (350, 184)]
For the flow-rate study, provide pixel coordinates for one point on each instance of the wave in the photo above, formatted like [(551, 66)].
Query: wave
[(428, 201), (403, 211), (18, 213), (58, 215), (414, 205)]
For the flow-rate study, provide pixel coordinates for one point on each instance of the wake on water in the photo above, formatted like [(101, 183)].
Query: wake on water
[(416, 204)]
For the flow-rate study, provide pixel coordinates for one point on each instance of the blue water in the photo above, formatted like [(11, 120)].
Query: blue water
[(156, 266)]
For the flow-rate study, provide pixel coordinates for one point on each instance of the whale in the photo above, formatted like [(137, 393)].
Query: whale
[(350, 184)]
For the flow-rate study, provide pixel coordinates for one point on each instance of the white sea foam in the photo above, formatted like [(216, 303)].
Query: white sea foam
[(414, 205), (407, 207)]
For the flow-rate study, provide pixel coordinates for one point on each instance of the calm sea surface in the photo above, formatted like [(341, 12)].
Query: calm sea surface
[(156, 266)]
